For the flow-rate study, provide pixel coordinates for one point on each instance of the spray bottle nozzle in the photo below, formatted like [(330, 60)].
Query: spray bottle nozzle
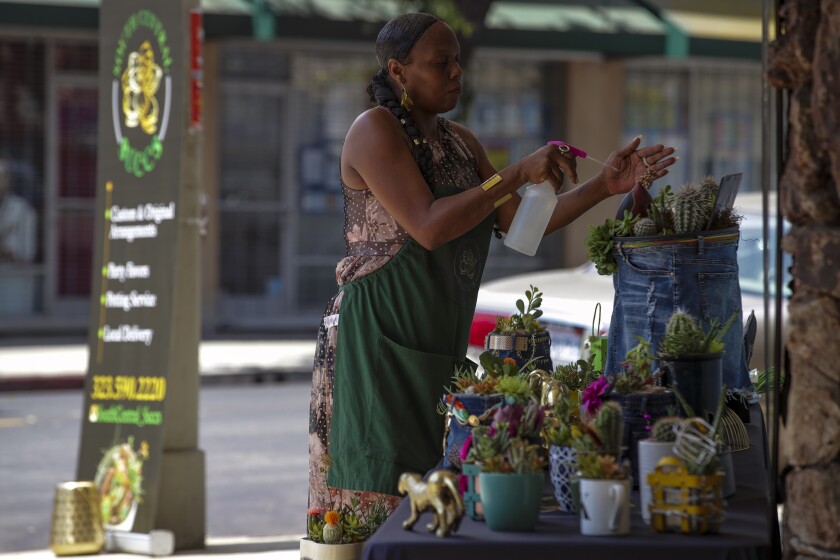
[(577, 152), (564, 147)]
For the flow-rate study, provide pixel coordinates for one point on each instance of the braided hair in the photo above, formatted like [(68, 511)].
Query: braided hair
[(395, 40)]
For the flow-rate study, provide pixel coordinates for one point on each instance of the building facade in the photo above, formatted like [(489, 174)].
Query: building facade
[(275, 115)]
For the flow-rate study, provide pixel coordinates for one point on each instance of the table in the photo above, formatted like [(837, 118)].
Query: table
[(743, 535)]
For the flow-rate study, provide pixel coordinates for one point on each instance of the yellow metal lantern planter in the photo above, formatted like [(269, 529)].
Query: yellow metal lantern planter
[(683, 502)]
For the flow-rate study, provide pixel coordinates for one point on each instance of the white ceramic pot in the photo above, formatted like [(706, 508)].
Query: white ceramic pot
[(311, 550), (650, 452), (605, 506)]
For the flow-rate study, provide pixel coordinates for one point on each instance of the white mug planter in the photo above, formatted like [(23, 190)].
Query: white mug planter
[(605, 506)]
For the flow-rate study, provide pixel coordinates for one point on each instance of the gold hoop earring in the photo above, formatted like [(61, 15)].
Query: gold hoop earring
[(406, 102)]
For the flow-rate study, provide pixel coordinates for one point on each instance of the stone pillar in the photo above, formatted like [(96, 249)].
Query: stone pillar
[(805, 60)]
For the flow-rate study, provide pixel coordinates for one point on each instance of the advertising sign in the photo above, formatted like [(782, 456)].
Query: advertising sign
[(135, 260)]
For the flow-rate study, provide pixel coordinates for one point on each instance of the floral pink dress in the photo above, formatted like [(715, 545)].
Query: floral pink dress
[(372, 237)]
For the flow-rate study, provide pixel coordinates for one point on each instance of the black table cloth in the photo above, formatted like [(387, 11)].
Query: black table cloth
[(743, 535)]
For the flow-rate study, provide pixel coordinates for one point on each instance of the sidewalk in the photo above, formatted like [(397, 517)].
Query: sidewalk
[(227, 548), (56, 366)]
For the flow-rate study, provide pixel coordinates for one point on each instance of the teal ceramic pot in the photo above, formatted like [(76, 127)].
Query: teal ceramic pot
[(511, 501)]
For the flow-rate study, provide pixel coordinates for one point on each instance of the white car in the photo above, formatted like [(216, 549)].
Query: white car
[(570, 295)]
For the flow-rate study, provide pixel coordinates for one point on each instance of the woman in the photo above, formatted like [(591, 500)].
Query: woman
[(421, 200)]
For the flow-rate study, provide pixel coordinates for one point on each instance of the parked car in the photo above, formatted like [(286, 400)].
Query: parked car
[(570, 295)]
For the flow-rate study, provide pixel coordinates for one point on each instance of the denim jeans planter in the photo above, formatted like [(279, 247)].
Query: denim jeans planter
[(522, 347), (697, 273), (457, 430)]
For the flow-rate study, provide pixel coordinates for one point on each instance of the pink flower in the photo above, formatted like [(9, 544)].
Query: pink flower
[(593, 395), (314, 511)]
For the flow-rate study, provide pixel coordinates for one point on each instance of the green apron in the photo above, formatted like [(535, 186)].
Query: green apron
[(401, 331)]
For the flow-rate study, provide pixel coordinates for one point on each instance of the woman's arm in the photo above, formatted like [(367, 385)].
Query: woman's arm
[(377, 155), (505, 213), (625, 168)]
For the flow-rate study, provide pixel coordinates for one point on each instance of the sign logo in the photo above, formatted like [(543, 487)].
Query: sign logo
[(142, 92)]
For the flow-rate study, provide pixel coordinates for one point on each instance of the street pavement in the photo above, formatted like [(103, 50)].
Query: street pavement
[(36, 365), (33, 365)]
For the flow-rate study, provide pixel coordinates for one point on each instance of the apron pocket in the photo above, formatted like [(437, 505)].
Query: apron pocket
[(403, 426)]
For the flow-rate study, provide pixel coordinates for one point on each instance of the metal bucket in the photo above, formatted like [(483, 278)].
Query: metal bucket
[(76, 520)]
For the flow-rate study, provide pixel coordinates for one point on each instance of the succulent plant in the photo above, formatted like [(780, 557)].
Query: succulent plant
[(600, 242), (526, 321), (512, 442)]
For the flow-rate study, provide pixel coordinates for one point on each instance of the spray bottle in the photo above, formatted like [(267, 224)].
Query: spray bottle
[(531, 218)]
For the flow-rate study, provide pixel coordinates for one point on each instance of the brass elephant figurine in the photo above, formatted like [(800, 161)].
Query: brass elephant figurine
[(439, 494)]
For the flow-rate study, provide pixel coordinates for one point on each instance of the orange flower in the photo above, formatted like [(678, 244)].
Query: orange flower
[(509, 360), (331, 517)]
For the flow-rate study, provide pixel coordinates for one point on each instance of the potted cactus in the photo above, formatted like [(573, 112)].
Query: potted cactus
[(691, 360), (339, 533), (604, 485)]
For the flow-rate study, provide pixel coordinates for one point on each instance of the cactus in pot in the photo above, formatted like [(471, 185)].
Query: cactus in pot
[(332, 528), (663, 429), (682, 334), (685, 337), (609, 423)]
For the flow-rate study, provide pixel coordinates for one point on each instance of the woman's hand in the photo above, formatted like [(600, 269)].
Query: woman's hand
[(637, 165), (547, 164)]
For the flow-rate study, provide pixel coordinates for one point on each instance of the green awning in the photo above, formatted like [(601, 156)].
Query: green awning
[(615, 28)]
